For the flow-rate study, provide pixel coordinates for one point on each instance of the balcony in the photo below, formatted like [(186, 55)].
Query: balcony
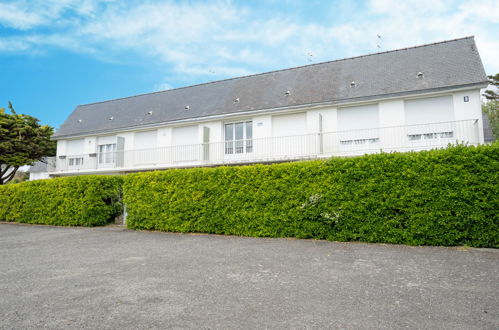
[(274, 149)]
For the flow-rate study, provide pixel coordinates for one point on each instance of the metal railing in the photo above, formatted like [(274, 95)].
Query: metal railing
[(340, 143)]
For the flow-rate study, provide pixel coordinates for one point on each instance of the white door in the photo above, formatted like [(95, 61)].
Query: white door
[(75, 154), (144, 145), (185, 144), (289, 136), (358, 128), (430, 120)]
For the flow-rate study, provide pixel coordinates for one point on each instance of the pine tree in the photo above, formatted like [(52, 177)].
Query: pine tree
[(23, 141)]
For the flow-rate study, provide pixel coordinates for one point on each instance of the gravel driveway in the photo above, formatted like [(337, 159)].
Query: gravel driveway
[(112, 278)]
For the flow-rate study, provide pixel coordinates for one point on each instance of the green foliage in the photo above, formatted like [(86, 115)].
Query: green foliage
[(491, 108), (22, 142), (440, 197), (20, 176), (70, 201), (491, 105), (492, 94)]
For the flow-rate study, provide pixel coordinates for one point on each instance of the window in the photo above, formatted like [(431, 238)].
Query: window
[(75, 148), (359, 141), (239, 138), (430, 118), (359, 125), (145, 140), (430, 136), (76, 161), (107, 153)]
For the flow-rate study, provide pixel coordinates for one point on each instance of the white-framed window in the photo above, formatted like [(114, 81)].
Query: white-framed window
[(238, 137), (431, 136), (107, 153), (359, 141), (430, 118), (358, 125), (75, 161)]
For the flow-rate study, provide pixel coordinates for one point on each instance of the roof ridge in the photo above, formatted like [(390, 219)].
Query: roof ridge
[(286, 69)]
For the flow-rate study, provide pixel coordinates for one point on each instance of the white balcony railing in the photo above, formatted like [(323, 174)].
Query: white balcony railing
[(341, 143)]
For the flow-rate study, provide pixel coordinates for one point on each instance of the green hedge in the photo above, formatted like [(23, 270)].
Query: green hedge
[(440, 197), (69, 201)]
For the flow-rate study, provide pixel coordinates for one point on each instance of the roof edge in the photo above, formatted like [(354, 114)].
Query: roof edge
[(340, 102)]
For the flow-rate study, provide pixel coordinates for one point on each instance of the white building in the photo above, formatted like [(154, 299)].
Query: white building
[(408, 99)]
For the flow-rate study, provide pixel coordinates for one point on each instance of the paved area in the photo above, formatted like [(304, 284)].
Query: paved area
[(111, 278)]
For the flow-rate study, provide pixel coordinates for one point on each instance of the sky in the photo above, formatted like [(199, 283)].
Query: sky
[(57, 54)]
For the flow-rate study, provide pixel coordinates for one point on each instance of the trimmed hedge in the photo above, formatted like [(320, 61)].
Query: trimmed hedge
[(439, 197), (69, 201)]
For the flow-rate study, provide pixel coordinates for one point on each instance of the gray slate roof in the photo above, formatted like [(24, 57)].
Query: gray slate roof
[(44, 165), (446, 64)]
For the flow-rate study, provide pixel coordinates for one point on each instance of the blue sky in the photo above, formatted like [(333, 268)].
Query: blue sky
[(56, 54)]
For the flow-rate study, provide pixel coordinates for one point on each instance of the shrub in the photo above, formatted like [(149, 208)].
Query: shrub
[(439, 197), (69, 201)]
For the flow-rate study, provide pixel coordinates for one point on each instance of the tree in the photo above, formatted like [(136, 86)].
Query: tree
[(23, 141), (492, 95), (491, 105), (491, 108)]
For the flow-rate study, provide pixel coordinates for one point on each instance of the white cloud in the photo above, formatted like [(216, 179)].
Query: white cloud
[(162, 87), (17, 16), (13, 45), (25, 15), (220, 39)]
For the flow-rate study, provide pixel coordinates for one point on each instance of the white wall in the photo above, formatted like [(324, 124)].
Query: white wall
[(393, 113), (216, 131), (145, 140), (357, 127), (129, 139), (108, 139), (186, 144), (324, 121), (262, 126), (75, 147), (429, 110), (214, 151), (61, 147), (90, 145), (165, 137), (185, 135), (144, 152), (469, 110), (289, 124), (358, 117), (290, 137), (430, 115)]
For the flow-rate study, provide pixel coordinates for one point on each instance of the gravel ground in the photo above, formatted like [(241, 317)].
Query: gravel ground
[(110, 278)]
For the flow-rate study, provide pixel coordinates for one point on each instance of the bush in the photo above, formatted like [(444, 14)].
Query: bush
[(439, 197), (69, 201)]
